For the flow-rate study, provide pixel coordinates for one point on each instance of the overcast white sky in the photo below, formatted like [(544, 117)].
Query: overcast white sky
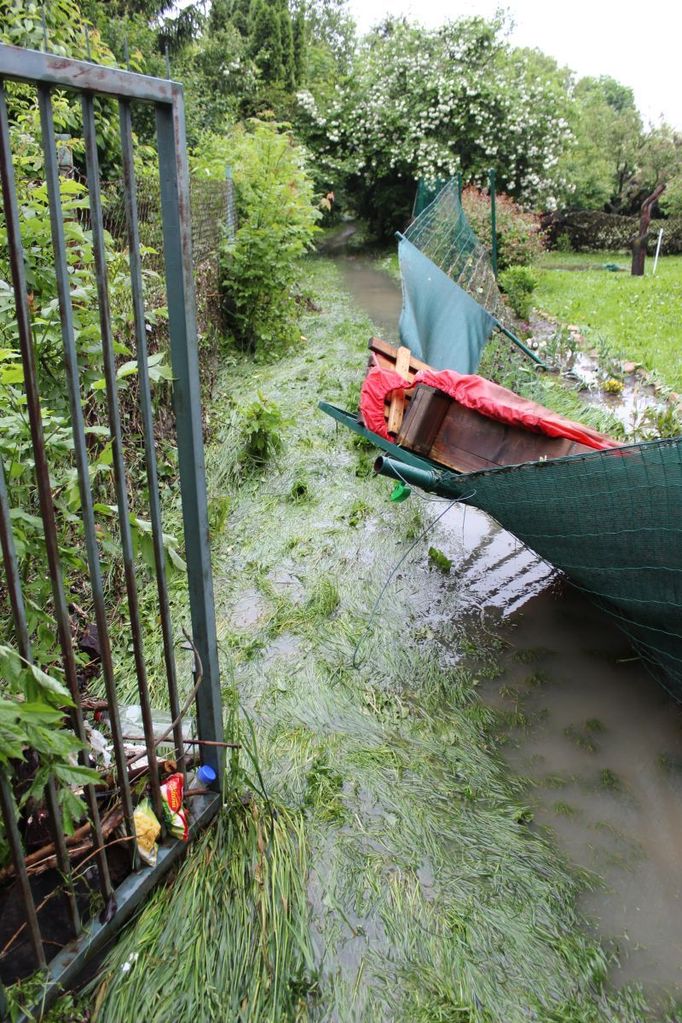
[(593, 37)]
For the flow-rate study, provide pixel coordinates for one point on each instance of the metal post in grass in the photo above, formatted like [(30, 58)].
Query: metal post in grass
[(493, 220), (658, 251), (231, 225), (459, 187), (182, 325)]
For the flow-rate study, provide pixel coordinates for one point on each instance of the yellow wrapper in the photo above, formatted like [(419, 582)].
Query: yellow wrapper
[(147, 830)]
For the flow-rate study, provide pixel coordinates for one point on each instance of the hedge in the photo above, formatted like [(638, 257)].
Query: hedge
[(592, 229)]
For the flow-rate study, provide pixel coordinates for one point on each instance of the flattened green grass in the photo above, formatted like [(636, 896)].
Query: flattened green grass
[(402, 881), (637, 316)]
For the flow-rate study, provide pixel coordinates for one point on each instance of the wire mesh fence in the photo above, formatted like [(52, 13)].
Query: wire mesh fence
[(442, 232), (213, 216)]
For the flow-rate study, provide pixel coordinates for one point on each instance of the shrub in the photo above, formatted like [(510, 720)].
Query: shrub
[(261, 433), (563, 242), (520, 241), (276, 223), (518, 283)]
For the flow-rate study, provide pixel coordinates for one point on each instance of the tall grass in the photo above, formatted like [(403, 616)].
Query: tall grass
[(229, 938)]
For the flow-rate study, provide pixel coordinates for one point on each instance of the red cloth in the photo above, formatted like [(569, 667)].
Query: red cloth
[(477, 393)]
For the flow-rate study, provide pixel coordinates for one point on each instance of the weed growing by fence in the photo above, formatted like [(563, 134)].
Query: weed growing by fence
[(518, 283)]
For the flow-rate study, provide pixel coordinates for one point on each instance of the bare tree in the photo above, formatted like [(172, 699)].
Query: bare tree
[(638, 243)]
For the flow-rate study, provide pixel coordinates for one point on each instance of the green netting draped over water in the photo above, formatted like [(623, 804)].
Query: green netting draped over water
[(610, 521)]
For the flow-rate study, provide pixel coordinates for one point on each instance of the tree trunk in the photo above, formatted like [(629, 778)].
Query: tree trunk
[(638, 243)]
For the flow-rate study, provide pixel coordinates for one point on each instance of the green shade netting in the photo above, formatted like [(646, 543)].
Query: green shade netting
[(426, 193), (611, 521), (436, 318), (439, 322)]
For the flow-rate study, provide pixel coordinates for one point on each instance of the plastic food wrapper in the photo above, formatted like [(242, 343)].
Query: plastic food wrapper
[(177, 825), (174, 816), (147, 831)]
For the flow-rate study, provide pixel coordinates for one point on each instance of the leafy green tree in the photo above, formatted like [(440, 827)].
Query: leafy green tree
[(288, 53), (220, 79), (265, 41), (277, 220), (331, 32), (69, 35), (148, 9), (428, 103), (602, 157), (230, 12), (671, 201), (299, 48), (659, 160)]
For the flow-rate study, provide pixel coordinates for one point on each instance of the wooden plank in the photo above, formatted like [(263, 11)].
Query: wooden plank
[(397, 406), (468, 440), (423, 419), (384, 355)]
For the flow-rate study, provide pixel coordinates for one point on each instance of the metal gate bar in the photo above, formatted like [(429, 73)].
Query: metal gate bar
[(92, 165), (80, 449), (47, 72), (47, 513), (130, 194), (177, 245)]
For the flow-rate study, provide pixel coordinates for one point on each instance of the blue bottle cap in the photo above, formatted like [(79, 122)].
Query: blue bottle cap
[(206, 774)]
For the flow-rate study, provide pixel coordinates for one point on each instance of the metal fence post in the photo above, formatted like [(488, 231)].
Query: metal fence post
[(231, 205), (493, 221), (177, 246)]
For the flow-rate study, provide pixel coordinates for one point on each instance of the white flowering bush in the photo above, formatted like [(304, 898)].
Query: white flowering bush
[(429, 103)]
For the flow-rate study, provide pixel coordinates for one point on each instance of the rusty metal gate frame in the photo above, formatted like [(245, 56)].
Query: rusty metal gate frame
[(47, 72)]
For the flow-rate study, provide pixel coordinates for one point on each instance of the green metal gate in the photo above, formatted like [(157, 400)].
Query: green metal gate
[(46, 73)]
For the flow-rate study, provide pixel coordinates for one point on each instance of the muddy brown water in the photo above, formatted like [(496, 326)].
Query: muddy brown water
[(375, 291), (598, 740)]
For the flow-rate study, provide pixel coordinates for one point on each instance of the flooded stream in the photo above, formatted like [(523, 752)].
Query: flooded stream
[(598, 740), (601, 745)]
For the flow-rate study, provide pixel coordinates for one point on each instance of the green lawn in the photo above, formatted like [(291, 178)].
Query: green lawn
[(639, 317)]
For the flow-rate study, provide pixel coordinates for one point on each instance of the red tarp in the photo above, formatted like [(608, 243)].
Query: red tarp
[(477, 393)]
